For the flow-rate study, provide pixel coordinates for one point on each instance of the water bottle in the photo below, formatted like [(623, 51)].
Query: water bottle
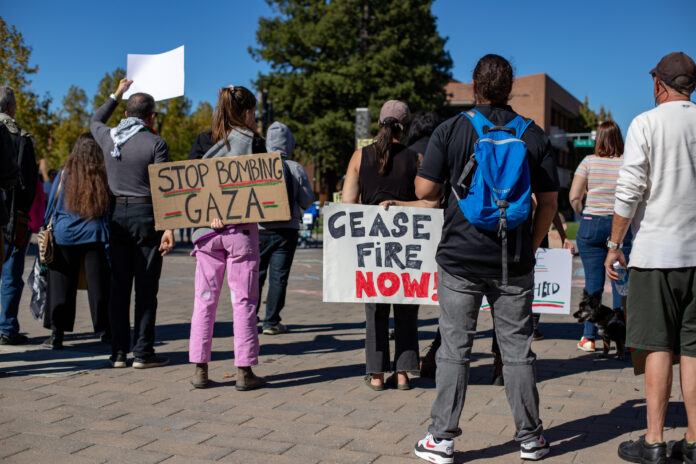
[(622, 283)]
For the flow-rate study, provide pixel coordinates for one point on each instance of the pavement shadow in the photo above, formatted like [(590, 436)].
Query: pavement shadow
[(49, 363), (585, 433), (318, 375)]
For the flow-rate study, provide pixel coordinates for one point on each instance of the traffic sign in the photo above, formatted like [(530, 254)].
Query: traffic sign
[(583, 143)]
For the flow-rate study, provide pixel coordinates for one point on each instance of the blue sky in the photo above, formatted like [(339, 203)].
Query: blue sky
[(602, 49)]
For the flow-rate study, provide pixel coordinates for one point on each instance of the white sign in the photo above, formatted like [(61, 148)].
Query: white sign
[(162, 76), (377, 256), (552, 280), (372, 255)]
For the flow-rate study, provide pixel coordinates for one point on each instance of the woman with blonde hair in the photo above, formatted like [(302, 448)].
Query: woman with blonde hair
[(78, 214)]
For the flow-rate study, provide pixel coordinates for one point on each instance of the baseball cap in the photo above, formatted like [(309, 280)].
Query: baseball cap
[(676, 70), (395, 109)]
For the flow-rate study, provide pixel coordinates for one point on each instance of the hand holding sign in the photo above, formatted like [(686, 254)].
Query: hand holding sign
[(123, 86)]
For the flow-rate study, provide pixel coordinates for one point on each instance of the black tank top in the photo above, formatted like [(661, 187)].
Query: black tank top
[(397, 181)]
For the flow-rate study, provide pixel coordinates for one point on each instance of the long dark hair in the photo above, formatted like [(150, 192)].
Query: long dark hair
[(229, 111), (389, 129), (609, 140), (85, 187)]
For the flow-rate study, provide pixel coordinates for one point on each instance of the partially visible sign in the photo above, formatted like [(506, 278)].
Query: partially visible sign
[(552, 282), (372, 255), (583, 143), (235, 189)]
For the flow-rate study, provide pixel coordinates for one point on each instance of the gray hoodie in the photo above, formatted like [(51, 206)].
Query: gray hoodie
[(240, 141), (280, 138)]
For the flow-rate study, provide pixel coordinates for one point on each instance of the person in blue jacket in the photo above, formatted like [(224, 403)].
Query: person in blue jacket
[(78, 214)]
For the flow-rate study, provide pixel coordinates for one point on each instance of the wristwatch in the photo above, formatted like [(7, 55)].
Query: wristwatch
[(612, 245), (113, 97)]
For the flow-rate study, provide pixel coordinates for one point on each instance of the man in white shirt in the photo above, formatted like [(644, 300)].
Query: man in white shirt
[(656, 192)]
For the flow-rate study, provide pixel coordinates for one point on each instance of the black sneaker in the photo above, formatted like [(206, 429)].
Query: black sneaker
[(643, 452), (118, 360), (150, 361), (13, 339), (54, 342), (683, 451), (537, 335)]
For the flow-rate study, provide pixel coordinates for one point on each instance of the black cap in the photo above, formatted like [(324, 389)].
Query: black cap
[(677, 70)]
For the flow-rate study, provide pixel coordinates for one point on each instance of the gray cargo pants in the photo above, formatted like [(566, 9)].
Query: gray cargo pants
[(460, 300)]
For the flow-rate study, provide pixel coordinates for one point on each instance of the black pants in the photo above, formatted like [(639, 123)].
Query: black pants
[(135, 257), (63, 274), (377, 338), (277, 251)]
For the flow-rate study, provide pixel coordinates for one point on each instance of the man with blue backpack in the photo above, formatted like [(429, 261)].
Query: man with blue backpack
[(486, 163)]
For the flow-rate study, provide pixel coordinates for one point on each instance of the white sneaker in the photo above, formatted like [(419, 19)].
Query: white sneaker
[(535, 449), (439, 452)]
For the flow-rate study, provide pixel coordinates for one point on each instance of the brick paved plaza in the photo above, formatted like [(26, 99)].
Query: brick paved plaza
[(70, 407)]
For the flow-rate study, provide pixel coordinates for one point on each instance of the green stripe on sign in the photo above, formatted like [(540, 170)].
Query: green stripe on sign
[(548, 301), (174, 216), (180, 193), (248, 186), (270, 206)]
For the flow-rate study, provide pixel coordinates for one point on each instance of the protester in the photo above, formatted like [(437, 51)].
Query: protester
[(422, 127), (232, 247), (655, 190), (382, 173), (8, 179), (465, 277), (17, 234), (78, 213), (596, 176), (134, 244), (278, 240)]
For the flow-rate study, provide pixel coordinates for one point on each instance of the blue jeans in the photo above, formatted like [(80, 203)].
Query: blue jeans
[(277, 249), (592, 245), (11, 287)]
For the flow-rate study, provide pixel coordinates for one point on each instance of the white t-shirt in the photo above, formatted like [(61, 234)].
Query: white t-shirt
[(657, 186)]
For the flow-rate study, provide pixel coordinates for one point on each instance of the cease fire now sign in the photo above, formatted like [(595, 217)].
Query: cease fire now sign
[(235, 189)]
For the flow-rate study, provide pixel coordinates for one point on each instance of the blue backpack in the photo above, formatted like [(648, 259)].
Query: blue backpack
[(498, 194)]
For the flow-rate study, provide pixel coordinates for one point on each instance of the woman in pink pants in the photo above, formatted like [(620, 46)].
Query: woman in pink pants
[(233, 248)]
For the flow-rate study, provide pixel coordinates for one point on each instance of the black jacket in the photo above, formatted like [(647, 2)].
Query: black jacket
[(8, 169)]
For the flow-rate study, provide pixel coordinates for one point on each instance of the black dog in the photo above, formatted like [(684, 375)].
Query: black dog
[(611, 323)]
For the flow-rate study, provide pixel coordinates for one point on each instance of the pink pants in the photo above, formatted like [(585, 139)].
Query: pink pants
[(236, 249)]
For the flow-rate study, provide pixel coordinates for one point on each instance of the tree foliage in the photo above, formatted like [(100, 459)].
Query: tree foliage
[(33, 111), (327, 58), (592, 118), (71, 121)]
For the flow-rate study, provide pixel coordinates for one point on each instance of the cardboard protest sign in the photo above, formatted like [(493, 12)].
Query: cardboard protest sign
[(377, 256), (552, 282), (236, 189)]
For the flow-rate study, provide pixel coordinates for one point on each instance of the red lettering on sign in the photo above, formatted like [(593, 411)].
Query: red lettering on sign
[(434, 297), (394, 281), (411, 287), (363, 284)]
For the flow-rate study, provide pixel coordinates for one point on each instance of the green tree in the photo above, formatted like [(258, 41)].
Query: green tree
[(107, 85), (592, 118), (33, 111), (327, 58), (72, 120), (175, 127)]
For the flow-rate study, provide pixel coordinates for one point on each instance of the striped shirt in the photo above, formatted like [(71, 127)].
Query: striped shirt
[(601, 174)]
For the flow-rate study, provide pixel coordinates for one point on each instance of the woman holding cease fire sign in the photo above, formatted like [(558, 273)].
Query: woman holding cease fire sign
[(383, 174)]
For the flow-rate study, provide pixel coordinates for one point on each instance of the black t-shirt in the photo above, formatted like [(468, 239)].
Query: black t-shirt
[(465, 250), (397, 181)]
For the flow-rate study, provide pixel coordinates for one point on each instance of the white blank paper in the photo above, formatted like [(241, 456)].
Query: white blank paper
[(162, 76)]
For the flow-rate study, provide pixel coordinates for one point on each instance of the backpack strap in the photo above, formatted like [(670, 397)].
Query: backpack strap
[(519, 125), (480, 122)]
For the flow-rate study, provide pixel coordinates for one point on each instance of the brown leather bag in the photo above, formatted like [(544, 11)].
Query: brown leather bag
[(45, 235)]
